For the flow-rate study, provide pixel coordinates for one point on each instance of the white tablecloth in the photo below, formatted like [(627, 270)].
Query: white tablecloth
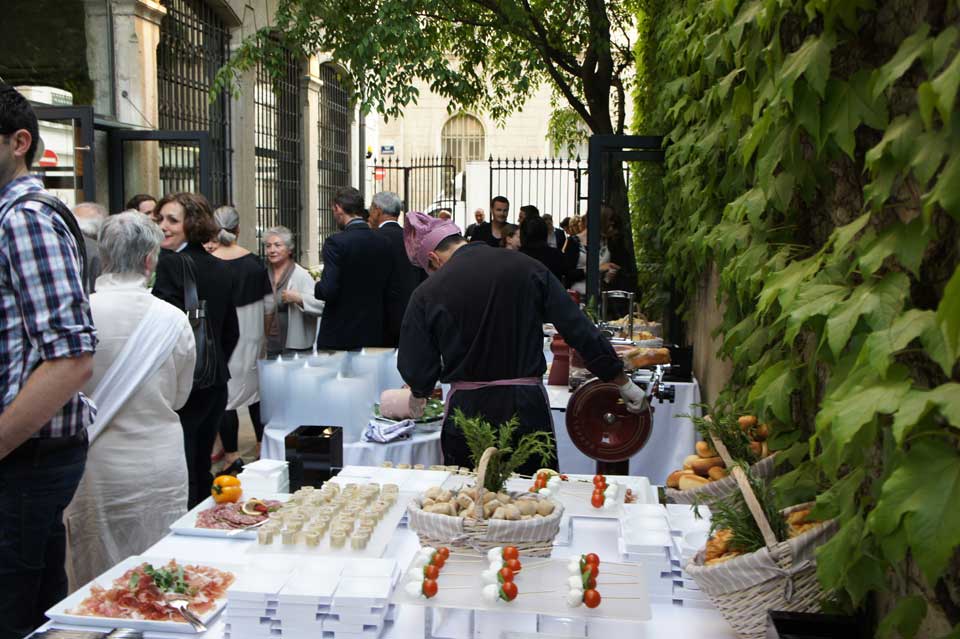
[(588, 535), (422, 448), (671, 439)]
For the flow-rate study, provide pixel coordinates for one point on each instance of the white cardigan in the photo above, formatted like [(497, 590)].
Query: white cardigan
[(302, 318)]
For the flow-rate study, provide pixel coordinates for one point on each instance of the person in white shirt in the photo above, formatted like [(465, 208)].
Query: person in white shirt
[(143, 373)]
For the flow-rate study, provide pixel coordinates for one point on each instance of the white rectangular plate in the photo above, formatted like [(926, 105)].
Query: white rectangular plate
[(59, 614), (575, 497), (187, 525)]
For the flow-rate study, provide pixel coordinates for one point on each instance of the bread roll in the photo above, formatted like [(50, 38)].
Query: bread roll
[(761, 432), (395, 403), (511, 512), (717, 472), (488, 497), (545, 507), (499, 513), (703, 465), (692, 481), (526, 506), (705, 450), (642, 357), (757, 449), (433, 493), (689, 459), (746, 422), (503, 498), (673, 479), (489, 508)]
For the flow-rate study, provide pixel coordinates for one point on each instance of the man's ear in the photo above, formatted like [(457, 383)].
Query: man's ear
[(21, 140)]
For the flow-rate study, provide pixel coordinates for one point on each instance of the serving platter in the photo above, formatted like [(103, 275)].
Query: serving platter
[(575, 498), (187, 525), (59, 614)]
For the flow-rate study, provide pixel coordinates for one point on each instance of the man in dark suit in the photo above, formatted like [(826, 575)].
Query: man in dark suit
[(357, 264), (384, 211), (555, 237)]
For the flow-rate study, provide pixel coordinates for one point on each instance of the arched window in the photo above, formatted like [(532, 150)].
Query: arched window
[(333, 134), (461, 140)]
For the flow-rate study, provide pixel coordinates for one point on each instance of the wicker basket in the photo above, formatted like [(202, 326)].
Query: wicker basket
[(532, 537), (780, 576), (764, 469)]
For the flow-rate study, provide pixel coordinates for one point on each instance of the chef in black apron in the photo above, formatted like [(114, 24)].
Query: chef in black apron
[(477, 324)]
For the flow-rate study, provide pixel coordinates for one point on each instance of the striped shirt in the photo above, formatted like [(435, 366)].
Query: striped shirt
[(44, 313)]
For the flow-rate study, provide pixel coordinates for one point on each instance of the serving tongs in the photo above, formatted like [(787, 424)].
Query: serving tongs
[(179, 603), (237, 531), (62, 633)]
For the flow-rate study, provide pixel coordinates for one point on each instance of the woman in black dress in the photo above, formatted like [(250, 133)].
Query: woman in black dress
[(187, 222)]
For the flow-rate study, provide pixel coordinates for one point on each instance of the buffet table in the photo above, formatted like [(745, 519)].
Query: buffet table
[(587, 535)]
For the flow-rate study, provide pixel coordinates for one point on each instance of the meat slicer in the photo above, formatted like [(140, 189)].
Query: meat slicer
[(602, 428)]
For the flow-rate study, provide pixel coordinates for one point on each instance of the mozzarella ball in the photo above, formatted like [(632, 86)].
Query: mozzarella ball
[(491, 592), (414, 588), (575, 598), (495, 554)]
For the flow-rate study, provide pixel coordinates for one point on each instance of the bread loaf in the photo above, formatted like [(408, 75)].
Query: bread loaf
[(692, 481), (673, 479), (705, 450), (703, 465), (689, 459), (642, 357)]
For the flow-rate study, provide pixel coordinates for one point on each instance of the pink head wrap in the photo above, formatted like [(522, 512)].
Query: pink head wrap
[(422, 233)]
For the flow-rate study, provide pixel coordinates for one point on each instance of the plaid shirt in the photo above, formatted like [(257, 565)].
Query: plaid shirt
[(45, 313)]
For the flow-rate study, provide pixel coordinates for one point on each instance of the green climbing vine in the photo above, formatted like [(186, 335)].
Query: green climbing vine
[(813, 158)]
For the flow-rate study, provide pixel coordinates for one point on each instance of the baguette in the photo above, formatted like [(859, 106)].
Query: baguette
[(692, 481), (689, 460), (702, 466), (643, 357), (705, 450), (673, 479)]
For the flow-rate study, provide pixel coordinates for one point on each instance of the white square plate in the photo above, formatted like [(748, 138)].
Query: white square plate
[(59, 614), (187, 525)]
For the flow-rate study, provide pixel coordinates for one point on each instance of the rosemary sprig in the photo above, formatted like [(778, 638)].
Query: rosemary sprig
[(510, 455), (732, 513)]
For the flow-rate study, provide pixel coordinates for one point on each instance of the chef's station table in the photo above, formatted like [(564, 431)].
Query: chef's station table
[(342, 389), (674, 609)]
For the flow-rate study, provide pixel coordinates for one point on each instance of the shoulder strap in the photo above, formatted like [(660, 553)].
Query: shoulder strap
[(68, 218), (191, 301)]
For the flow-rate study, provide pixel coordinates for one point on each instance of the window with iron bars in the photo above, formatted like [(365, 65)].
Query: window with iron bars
[(278, 146), (333, 129), (194, 44)]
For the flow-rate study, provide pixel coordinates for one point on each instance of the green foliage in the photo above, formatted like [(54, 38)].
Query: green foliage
[(510, 455), (731, 513), (488, 56), (813, 160)]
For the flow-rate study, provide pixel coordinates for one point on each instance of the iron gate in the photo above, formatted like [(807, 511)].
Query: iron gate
[(425, 184), (194, 44), (278, 147), (333, 128), (554, 186)]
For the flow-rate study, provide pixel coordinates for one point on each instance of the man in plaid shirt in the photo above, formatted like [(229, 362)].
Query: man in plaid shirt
[(47, 341)]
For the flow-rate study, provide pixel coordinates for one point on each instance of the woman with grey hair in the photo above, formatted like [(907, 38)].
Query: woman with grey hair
[(292, 309), (143, 373), (250, 286)]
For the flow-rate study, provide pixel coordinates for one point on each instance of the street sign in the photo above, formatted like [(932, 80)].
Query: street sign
[(49, 158), (387, 149), (379, 173)]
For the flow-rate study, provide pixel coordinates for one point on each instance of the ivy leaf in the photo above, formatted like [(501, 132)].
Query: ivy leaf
[(946, 193), (881, 345), (812, 61), (918, 403), (927, 101), (904, 619), (840, 499), (941, 48), (927, 508), (848, 105), (748, 14), (910, 49), (813, 301), (772, 389), (945, 86), (948, 316), (836, 557), (843, 234), (930, 149), (879, 301), (784, 284), (755, 135), (782, 191), (806, 109)]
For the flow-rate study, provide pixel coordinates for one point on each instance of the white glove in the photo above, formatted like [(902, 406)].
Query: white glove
[(419, 404), (633, 396)]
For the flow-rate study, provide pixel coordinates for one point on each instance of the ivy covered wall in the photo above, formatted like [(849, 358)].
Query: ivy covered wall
[(813, 160)]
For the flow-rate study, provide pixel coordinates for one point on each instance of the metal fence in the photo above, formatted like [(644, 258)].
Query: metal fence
[(426, 184), (194, 44), (554, 186), (333, 128), (278, 147)]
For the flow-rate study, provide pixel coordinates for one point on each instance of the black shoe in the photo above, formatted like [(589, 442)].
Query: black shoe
[(234, 468)]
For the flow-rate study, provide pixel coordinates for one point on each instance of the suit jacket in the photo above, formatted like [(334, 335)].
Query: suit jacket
[(561, 238), (357, 264), (215, 286), (404, 278)]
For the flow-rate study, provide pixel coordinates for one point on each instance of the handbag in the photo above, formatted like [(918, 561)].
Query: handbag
[(205, 369)]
